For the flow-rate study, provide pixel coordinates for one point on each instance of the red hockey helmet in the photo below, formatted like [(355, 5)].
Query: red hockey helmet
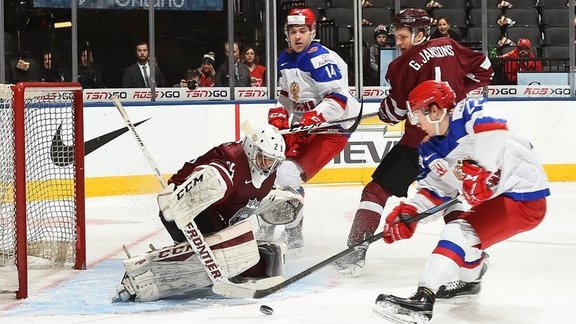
[(413, 18), (427, 93), (301, 16)]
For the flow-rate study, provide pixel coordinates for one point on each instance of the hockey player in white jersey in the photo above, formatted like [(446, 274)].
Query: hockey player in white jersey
[(314, 89), (471, 150)]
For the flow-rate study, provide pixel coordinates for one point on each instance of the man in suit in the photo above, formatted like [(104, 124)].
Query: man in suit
[(241, 77), (137, 75)]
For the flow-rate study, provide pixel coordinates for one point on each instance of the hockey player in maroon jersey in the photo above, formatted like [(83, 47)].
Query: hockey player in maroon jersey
[(421, 59), (220, 188)]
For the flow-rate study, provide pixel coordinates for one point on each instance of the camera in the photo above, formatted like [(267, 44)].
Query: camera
[(192, 84)]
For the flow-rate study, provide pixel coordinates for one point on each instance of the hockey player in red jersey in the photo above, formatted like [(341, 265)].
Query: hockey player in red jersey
[(219, 190), (421, 59), (314, 89)]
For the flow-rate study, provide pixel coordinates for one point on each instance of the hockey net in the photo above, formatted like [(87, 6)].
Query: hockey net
[(41, 181)]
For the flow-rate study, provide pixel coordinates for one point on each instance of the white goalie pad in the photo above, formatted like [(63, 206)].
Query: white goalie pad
[(175, 270), (202, 188), (280, 206)]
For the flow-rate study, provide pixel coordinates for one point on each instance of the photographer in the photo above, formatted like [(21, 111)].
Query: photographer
[(190, 80)]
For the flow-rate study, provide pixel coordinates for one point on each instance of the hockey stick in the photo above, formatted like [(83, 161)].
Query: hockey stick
[(147, 155), (220, 282), (265, 292), (324, 128)]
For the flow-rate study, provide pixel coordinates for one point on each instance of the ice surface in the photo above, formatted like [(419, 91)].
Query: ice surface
[(532, 278)]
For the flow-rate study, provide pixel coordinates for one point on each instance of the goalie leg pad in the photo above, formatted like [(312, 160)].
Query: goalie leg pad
[(176, 270), (181, 204)]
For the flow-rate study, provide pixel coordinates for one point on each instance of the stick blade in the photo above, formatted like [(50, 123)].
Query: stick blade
[(252, 289), (247, 128)]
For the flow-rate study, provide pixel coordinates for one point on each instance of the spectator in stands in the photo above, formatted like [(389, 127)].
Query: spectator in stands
[(443, 30), (257, 71), (49, 72), (89, 74), (207, 71), (241, 72), (528, 61), (137, 75), (380, 42), (190, 79)]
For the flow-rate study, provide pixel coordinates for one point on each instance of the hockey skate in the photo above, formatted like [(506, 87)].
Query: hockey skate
[(293, 237), (414, 310), (266, 232), (461, 288), (350, 265)]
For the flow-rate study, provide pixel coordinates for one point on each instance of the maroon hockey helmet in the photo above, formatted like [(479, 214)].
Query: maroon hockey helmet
[(427, 93), (413, 18)]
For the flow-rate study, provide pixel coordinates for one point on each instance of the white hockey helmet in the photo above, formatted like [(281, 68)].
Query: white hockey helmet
[(265, 152)]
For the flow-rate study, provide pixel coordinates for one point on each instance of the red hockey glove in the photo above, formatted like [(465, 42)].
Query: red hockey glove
[(312, 117), (476, 182), (278, 117), (395, 229)]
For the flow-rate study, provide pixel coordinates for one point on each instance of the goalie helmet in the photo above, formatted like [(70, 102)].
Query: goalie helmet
[(265, 152), (415, 19), (301, 16), (427, 93)]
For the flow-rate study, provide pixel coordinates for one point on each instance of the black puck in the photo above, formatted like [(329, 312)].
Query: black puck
[(266, 310)]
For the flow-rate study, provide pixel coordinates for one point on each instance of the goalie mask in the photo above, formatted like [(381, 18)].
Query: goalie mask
[(265, 152)]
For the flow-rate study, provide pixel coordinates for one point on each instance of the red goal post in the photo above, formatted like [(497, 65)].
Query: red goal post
[(42, 217)]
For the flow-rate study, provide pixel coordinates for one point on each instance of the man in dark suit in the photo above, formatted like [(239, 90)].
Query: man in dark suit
[(137, 75)]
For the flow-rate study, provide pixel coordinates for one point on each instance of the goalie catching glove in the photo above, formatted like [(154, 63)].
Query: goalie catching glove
[(395, 228), (280, 206)]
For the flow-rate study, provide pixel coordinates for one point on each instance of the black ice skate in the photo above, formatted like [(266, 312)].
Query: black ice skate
[(414, 310), (350, 265), (461, 288)]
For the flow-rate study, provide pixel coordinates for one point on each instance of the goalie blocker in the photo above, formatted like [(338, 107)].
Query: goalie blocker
[(176, 270)]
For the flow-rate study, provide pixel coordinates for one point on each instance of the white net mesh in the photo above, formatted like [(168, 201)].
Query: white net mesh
[(51, 206)]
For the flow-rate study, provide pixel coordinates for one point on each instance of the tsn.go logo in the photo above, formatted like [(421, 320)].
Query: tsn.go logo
[(207, 93)]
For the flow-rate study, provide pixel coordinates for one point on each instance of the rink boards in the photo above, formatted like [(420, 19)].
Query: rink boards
[(175, 132)]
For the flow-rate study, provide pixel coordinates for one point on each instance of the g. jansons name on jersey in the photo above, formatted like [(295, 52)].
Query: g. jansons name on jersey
[(431, 52), (321, 60)]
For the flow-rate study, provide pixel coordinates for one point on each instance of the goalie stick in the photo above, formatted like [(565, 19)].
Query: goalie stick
[(261, 293), (220, 282)]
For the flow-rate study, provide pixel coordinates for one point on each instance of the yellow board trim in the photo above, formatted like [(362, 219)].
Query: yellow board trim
[(146, 184)]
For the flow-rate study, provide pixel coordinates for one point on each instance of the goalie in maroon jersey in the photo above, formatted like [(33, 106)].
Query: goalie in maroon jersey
[(441, 59), (220, 190)]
